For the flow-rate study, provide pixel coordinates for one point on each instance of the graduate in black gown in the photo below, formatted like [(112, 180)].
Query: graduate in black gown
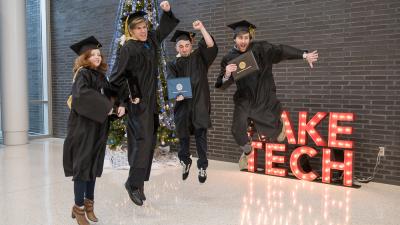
[(138, 65), (85, 144), (255, 98), (192, 115)]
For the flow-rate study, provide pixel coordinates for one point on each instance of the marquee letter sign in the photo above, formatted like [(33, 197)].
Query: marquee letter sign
[(307, 128)]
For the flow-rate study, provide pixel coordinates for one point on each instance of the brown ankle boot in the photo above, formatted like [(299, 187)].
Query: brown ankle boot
[(79, 215), (89, 210)]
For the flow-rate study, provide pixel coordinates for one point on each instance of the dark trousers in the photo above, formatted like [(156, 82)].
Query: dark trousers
[(137, 176), (142, 138), (82, 190), (201, 146), (267, 122)]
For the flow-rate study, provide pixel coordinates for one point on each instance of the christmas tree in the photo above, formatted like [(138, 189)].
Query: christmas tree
[(166, 131)]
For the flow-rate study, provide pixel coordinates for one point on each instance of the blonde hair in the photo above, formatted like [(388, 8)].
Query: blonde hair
[(132, 25)]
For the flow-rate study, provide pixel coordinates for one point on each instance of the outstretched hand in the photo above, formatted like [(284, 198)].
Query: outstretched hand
[(312, 57)]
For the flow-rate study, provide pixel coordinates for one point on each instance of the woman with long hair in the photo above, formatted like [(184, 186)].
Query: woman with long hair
[(85, 144)]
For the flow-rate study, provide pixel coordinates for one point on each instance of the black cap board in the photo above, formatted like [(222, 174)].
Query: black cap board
[(86, 44), (134, 15), (242, 25), (182, 35)]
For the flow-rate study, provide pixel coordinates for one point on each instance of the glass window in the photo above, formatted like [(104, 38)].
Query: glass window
[(37, 67)]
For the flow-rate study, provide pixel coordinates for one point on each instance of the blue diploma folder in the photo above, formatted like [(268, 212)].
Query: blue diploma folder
[(179, 86)]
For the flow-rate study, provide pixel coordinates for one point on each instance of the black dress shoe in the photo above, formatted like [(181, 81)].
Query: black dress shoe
[(185, 169), (134, 194), (142, 196)]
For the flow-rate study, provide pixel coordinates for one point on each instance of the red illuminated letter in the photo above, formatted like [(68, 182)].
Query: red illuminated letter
[(252, 157), (346, 166), (334, 130), (296, 168), (309, 128), (289, 128), (270, 158)]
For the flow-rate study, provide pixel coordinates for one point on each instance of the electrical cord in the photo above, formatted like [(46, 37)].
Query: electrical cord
[(370, 178)]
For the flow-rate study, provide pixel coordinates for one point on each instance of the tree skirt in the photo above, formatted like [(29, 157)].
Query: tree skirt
[(118, 158)]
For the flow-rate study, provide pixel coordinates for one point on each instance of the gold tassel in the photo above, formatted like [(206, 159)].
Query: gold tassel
[(126, 31), (127, 34), (252, 32)]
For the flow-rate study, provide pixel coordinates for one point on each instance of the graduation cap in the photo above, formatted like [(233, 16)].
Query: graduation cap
[(85, 44), (183, 35), (131, 16), (241, 26)]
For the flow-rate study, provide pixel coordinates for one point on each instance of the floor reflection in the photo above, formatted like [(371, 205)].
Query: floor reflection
[(34, 191), (300, 204)]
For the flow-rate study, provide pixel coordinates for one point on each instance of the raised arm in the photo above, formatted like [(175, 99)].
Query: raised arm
[(198, 25), (168, 22), (207, 46)]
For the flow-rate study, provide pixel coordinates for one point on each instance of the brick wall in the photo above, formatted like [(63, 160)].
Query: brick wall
[(358, 71), (72, 21)]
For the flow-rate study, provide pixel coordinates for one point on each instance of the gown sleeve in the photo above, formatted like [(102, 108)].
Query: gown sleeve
[(208, 54), (119, 74), (284, 52), (87, 101), (168, 22)]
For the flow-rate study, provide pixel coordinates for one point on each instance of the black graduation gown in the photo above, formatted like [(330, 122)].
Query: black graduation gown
[(85, 144), (255, 97), (138, 62), (194, 113)]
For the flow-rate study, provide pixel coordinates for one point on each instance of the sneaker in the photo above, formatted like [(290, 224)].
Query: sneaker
[(202, 175), (185, 169), (243, 162)]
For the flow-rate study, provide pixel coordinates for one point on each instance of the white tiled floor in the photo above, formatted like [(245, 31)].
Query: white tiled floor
[(33, 190)]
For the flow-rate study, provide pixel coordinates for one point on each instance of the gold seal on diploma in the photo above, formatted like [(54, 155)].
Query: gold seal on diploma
[(247, 65), (242, 65)]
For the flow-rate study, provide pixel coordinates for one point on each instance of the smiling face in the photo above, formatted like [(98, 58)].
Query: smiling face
[(139, 30), (95, 58), (242, 41), (184, 48)]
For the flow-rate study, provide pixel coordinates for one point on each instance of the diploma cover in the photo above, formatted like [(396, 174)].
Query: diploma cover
[(246, 65)]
